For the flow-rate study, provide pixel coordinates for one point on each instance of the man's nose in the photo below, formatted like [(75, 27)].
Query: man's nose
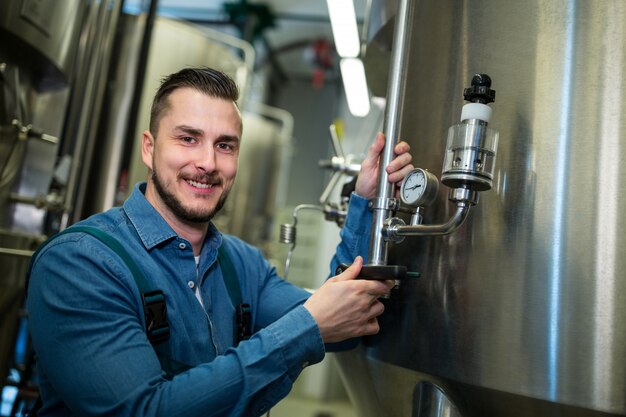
[(205, 158)]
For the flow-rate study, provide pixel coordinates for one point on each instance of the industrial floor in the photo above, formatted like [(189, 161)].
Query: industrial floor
[(289, 407), (298, 407)]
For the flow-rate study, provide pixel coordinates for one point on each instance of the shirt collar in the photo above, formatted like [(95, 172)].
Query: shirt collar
[(152, 228)]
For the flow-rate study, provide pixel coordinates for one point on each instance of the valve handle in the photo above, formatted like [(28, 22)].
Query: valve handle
[(381, 272), (480, 91)]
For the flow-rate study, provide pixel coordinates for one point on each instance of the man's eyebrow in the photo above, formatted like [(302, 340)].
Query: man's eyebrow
[(229, 138), (189, 130), (193, 131)]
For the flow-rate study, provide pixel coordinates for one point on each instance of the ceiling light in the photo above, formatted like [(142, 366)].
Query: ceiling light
[(345, 31), (355, 86)]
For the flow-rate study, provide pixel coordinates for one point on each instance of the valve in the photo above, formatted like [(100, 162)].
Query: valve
[(341, 166), (471, 147)]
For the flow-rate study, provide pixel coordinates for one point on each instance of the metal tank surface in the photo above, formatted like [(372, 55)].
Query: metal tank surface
[(522, 311), (52, 29), (53, 58)]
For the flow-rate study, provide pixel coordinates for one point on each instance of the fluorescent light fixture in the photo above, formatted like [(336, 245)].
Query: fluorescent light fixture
[(345, 31), (355, 86)]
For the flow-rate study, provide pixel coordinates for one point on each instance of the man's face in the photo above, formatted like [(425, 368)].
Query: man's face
[(193, 160)]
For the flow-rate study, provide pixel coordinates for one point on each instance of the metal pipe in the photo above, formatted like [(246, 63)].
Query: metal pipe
[(16, 252), (52, 201), (92, 63), (330, 187), (341, 165), (79, 105), (461, 213), (98, 76), (288, 233), (140, 72), (395, 91)]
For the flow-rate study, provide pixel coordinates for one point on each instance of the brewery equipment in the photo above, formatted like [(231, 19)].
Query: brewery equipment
[(518, 312)]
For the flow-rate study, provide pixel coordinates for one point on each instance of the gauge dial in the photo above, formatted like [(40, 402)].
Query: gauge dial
[(419, 188)]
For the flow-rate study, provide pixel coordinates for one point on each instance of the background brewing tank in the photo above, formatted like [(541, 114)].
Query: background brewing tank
[(522, 311)]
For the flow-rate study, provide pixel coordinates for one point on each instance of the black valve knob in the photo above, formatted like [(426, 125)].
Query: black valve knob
[(480, 90)]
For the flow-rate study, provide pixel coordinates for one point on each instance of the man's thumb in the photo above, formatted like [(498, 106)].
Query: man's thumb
[(352, 272)]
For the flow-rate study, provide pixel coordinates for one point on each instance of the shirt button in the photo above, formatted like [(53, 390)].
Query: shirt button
[(191, 284), (182, 245)]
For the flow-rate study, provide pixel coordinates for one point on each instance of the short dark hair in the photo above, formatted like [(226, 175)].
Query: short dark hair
[(207, 80)]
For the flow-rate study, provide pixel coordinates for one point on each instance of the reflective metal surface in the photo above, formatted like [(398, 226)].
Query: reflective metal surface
[(45, 71), (14, 247), (51, 29), (521, 311), (431, 401)]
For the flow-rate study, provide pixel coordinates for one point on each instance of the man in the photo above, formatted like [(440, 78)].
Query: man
[(86, 313)]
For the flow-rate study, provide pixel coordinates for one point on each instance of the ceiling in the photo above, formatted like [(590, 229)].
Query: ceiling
[(286, 44)]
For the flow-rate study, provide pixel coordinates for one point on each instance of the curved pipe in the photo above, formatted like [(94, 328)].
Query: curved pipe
[(288, 232), (461, 213)]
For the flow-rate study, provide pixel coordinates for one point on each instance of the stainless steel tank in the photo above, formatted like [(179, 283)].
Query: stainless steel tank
[(521, 312), (42, 37), (53, 61), (37, 45)]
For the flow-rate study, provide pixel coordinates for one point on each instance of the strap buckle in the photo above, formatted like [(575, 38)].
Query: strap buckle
[(155, 311), (244, 319)]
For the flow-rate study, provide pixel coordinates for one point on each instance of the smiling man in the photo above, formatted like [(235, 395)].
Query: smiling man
[(194, 162), (107, 346)]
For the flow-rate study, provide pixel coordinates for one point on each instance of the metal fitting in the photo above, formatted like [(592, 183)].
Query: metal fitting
[(390, 229), (463, 195)]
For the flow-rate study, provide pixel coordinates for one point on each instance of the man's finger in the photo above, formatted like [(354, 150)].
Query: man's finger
[(398, 176), (375, 149), (352, 272), (401, 147), (377, 288)]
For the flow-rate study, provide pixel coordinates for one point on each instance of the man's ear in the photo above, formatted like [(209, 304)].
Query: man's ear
[(147, 148)]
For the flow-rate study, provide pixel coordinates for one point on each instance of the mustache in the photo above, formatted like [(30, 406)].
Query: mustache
[(208, 178)]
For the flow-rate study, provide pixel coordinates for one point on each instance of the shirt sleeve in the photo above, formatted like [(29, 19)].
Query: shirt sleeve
[(355, 238), (88, 331), (355, 234)]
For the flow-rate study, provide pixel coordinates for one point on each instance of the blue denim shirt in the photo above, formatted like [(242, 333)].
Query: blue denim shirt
[(88, 328)]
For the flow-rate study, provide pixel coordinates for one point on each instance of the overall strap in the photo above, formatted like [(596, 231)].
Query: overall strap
[(243, 318), (155, 311)]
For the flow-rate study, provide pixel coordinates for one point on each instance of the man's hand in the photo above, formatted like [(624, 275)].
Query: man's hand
[(346, 307), (397, 169)]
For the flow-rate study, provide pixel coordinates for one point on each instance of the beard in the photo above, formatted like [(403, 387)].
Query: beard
[(177, 208)]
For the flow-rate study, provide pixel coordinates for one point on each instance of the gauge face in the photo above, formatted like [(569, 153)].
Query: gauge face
[(413, 187), (419, 187)]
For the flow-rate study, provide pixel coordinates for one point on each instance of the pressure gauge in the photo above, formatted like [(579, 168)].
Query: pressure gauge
[(419, 188)]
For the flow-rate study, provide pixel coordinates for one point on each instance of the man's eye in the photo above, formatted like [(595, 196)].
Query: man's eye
[(225, 147), (188, 139)]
